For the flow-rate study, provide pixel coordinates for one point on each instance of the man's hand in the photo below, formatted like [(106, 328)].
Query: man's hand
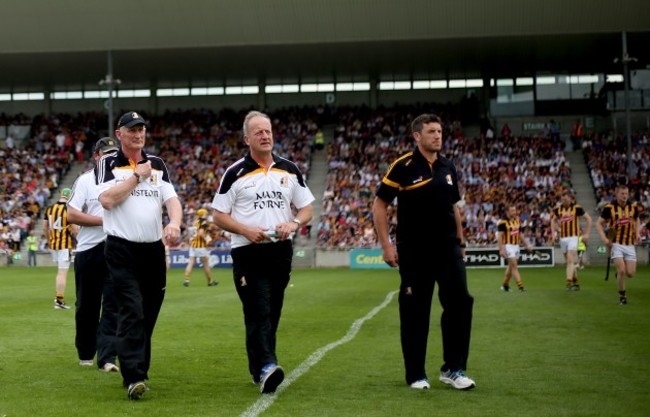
[(172, 233), (390, 256)]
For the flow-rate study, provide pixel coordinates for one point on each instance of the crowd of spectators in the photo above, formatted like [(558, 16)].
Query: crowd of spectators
[(495, 169), (197, 145), (31, 168), (530, 172)]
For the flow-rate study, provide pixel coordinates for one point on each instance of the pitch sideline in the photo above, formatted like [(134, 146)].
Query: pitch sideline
[(266, 401)]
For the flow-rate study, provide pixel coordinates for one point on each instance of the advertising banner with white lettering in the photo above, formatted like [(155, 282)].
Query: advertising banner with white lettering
[(219, 258), (483, 258), (367, 259), (474, 258)]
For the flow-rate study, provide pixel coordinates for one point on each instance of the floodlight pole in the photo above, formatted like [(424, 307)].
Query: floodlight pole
[(626, 97), (110, 83)]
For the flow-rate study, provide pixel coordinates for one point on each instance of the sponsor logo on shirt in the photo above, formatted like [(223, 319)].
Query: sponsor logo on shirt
[(268, 199)]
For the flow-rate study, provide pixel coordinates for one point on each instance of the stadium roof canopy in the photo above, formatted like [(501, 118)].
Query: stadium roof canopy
[(64, 44)]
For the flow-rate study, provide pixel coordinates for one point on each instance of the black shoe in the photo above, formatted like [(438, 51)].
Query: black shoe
[(522, 289), (576, 287), (505, 288), (622, 300), (213, 283), (272, 376), (136, 390)]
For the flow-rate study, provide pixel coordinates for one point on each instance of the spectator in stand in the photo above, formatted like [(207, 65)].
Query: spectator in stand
[(32, 248), (577, 132)]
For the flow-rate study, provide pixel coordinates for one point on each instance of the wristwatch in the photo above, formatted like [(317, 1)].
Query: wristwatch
[(297, 221), (137, 176)]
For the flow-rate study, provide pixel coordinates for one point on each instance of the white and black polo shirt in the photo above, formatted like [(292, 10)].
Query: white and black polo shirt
[(139, 217), (259, 198), (85, 198)]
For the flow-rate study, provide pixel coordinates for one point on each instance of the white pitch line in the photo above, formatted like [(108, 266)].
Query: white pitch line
[(266, 401)]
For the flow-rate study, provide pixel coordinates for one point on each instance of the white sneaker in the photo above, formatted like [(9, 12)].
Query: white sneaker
[(109, 367), (86, 362), (421, 384), (457, 379)]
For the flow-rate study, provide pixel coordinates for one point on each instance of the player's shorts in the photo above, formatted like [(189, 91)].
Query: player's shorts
[(627, 252), (512, 251), (199, 252), (569, 243), (61, 258)]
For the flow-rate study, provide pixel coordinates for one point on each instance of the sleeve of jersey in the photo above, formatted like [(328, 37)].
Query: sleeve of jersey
[(224, 199), (302, 195), (78, 197), (167, 187), (390, 184), (606, 213), (104, 177), (501, 227)]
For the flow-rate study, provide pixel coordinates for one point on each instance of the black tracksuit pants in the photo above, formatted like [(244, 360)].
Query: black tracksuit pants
[(140, 278), (421, 267), (96, 309), (267, 269)]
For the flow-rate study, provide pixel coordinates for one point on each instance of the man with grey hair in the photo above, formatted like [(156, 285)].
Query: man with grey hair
[(133, 188), (262, 201)]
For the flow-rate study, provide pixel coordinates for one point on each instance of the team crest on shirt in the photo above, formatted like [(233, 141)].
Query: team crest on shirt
[(284, 181), (153, 179), (449, 180)]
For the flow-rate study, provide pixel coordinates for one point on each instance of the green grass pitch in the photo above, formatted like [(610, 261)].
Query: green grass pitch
[(547, 352)]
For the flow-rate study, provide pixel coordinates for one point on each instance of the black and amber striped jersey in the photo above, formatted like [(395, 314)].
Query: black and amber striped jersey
[(510, 230), (59, 230), (198, 239), (622, 221), (568, 218)]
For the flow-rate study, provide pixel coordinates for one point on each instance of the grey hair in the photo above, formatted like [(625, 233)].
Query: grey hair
[(249, 116)]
